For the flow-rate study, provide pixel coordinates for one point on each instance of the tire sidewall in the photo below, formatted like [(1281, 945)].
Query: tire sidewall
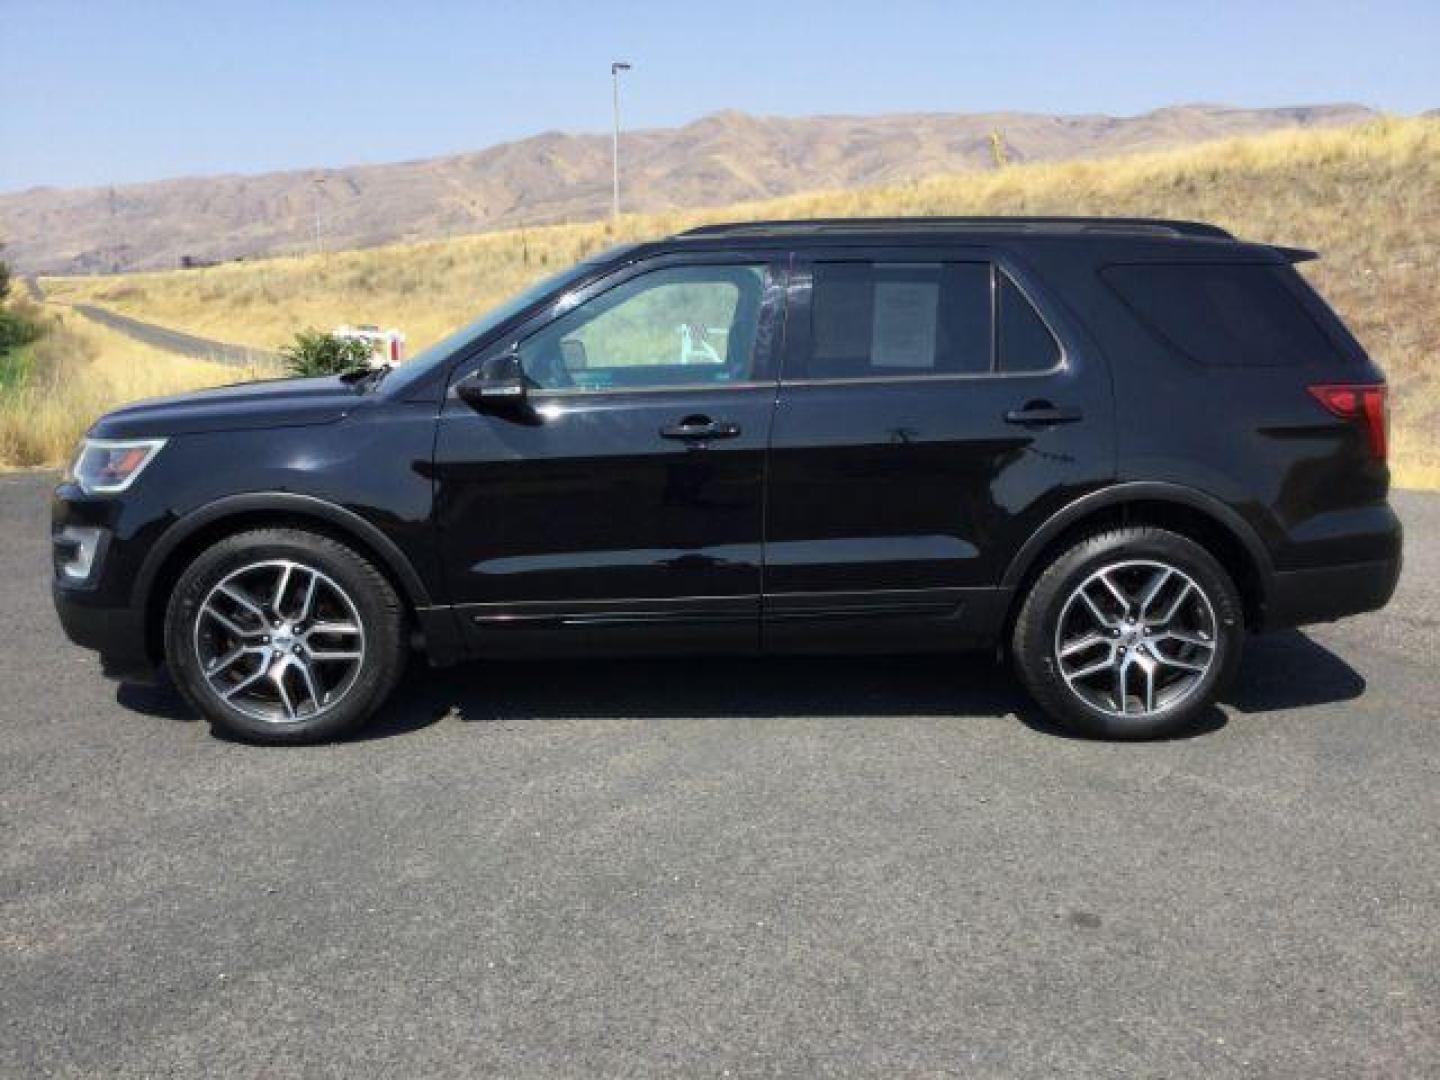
[(1036, 652), (378, 616)]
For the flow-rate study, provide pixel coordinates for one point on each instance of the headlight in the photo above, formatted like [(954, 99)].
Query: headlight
[(103, 466)]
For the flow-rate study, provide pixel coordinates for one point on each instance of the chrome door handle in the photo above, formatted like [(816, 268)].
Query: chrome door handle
[(1042, 413), (700, 427)]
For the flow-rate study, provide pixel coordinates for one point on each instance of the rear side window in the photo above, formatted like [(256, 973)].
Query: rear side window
[(1225, 315), (881, 320), (888, 320)]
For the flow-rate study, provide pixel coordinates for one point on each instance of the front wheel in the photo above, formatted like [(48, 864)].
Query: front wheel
[(1130, 634), (283, 636)]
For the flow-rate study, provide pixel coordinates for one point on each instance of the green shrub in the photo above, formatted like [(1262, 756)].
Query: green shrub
[(318, 353), (14, 367), (19, 325)]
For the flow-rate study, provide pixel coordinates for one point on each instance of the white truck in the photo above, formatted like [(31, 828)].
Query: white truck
[(386, 346)]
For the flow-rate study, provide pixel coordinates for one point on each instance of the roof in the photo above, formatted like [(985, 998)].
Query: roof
[(1040, 226)]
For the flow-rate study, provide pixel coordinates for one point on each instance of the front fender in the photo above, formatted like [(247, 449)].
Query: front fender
[(288, 504)]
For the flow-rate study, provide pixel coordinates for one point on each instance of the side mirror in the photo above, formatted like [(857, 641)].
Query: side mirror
[(498, 386)]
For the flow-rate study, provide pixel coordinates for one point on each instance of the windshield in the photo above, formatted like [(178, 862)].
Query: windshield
[(425, 361)]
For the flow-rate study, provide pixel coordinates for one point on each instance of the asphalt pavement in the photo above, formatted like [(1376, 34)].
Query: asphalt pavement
[(175, 341), (161, 337), (725, 868)]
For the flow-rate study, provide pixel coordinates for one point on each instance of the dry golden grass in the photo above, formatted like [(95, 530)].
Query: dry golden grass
[(1365, 196), (80, 370)]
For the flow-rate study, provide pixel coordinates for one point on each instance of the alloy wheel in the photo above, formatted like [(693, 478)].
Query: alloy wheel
[(1136, 638), (279, 641)]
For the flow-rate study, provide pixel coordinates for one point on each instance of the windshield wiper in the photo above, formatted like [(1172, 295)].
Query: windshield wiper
[(366, 378)]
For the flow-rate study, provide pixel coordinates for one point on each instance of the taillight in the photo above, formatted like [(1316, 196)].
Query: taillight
[(1363, 404)]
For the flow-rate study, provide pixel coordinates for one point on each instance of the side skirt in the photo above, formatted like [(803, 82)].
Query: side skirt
[(884, 621), (613, 627), (887, 621)]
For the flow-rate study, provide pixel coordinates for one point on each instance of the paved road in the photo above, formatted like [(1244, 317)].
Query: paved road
[(162, 337), (880, 868)]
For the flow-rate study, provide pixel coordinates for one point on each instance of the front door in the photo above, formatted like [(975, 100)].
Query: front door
[(929, 419), (621, 509)]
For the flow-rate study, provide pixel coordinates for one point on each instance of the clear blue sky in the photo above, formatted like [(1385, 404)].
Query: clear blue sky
[(119, 90)]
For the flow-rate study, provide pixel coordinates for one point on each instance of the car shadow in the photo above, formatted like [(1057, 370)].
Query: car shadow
[(1290, 670), (1280, 671)]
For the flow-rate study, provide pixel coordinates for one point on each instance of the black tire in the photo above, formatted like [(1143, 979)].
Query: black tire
[(368, 681), (1035, 644)]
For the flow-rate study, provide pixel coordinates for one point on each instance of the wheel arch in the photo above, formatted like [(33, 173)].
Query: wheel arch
[(1191, 513), (238, 513)]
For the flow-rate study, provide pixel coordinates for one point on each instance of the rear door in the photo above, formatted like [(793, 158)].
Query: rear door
[(935, 406)]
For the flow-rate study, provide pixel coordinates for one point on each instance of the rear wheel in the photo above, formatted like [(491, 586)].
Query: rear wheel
[(283, 635), (1130, 634)]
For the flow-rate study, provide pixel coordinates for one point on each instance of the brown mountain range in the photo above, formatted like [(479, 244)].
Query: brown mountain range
[(722, 158)]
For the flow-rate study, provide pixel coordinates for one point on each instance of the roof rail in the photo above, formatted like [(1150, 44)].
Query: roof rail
[(1053, 225)]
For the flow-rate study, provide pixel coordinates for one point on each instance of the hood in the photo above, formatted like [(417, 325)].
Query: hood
[(243, 406)]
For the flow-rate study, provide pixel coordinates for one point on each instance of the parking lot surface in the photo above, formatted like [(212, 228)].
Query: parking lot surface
[(879, 867)]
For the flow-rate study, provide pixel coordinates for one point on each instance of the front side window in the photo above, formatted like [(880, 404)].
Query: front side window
[(416, 370), (888, 320), (679, 326)]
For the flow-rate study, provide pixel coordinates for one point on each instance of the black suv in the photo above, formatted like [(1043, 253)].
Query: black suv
[(1107, 447)]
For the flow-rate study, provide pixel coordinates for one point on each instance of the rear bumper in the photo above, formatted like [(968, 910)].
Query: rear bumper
[(1339, 563), (1301, 597)]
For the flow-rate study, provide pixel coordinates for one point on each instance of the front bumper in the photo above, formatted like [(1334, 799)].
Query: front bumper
[(99, 609), (116, 633)]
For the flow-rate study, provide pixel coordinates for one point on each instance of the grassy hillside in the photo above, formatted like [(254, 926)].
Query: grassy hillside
[(77, 371), (556, 176), (1364, 196)]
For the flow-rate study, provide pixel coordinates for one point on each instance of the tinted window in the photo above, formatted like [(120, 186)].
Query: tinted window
[(1233, 315), (883, 320), (1026, 343), (673, 327)]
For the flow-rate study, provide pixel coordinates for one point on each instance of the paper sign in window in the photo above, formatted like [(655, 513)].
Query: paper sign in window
[(903, 332)]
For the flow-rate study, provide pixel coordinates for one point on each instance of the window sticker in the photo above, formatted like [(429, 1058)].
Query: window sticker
[(903, 332)]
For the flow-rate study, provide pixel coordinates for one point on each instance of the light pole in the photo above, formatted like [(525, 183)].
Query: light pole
[(615, 69), (319, 243)]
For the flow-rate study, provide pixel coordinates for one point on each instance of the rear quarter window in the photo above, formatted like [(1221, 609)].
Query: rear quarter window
[(1024, 342), (1224, 315)]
